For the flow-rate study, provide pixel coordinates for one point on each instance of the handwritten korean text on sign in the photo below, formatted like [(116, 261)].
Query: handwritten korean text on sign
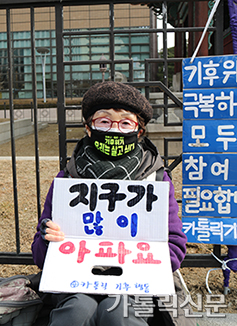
[(109, 223)]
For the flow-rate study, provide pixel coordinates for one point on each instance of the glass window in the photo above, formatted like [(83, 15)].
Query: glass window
[(140, 39), (3, 45), (38, 68), (121, 66), (28, 86), (21, 35), (53, 51), (136, 48), (67, 76), (95, 40), (122, 48), (27, 94), (3, 36), (21, 44), (39, 77), (27, 52), (39, 93), (66, 41), (28, 77), (121, 56), (42, 34), (144, 56), (27, 60), (98, 76), (28, 69), (66, 50), (145, 48), (80, 76), (121, 40), (42, 43), (81, 68), (100, 49), (81, 40)]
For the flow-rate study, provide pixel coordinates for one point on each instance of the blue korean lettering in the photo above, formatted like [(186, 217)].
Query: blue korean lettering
[(86, 284), (104, 285), (139, 286), (142, 287), (126, 286), (146, 288), (96, 285), (118, 286), (122, 221), (88, 218), (74, 284), (134, 223)]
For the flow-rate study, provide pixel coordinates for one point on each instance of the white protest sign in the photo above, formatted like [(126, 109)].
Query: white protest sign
[(110, 223)]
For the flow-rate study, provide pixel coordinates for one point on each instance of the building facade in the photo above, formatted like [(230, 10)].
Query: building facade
[(79, 47)]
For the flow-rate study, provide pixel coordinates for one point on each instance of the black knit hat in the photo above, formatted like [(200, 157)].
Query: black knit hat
[(109, 95)]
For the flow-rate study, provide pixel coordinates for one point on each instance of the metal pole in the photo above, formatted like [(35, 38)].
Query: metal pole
[(165, 55), (112, 66), (43, 59), (34, 92), (9, 50), (43, 52), (60, 85), (5, 110)]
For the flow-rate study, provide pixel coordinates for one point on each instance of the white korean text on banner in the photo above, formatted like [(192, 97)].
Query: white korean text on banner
[(209, 197), (107, 223)]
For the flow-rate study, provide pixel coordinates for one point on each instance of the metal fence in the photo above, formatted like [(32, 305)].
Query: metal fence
[(148, 86)]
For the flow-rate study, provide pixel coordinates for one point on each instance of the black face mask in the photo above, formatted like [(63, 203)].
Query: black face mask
[(113, 145)]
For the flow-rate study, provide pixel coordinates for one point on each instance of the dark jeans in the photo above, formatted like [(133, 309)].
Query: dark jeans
[(88, 310)]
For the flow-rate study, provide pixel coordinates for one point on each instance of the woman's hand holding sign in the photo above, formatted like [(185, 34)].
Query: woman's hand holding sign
[(50, 231), (53, 232)]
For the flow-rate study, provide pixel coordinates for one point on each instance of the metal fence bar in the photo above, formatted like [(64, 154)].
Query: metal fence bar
[(111, 40), (219, 50), (166, 153), (16, 259), (60, 85), (34, 92), (136, 30), (197, 260), (9, 52)]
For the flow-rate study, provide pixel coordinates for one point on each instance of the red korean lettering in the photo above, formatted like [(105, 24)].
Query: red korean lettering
[(149, 260), (122, 252), (67, 248), (108, 252), (82, 251)]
